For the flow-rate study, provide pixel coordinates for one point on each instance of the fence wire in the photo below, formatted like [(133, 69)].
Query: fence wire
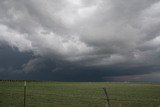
[(48, 94)]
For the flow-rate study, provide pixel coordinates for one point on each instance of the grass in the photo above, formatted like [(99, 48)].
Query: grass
[(79, 94)]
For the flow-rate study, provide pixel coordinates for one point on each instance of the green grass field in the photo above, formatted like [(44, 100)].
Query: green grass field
[(78, 94)]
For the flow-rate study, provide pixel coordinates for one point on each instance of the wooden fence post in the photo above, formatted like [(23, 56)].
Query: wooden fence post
[(24, 93), (107, 98), (120, 105)]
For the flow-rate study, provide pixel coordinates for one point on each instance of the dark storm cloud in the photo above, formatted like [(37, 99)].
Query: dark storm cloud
[(11, 61), (81, 37), (11, 57)]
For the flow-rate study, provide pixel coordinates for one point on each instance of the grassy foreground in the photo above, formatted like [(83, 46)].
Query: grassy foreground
[(78, 94)]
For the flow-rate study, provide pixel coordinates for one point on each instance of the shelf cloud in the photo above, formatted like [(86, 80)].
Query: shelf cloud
[(69, 38)]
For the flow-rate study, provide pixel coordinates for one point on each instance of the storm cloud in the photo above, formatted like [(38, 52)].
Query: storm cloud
[(88, 38)]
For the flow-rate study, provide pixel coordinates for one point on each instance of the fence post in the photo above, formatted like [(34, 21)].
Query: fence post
[(120, 105), (107, 98), (24, 93)]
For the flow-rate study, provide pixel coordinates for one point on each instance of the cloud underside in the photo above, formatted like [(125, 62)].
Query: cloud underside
[(97, 34)]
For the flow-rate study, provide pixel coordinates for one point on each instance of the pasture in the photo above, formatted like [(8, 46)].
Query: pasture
[(78, 94)]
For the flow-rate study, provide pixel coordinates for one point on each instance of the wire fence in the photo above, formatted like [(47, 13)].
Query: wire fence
[(17, 94)]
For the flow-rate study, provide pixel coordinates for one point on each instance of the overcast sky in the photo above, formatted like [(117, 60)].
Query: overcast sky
[(80, 40)]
